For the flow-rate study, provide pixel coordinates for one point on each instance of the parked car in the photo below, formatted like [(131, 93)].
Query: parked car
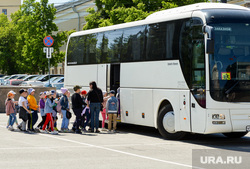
[(32, 83), (35, 78), (58, 86), (28, 77), (1, 81), (14, 82), (44, 78), (16, 76), (53, 80), (22, 76), (6, 77)]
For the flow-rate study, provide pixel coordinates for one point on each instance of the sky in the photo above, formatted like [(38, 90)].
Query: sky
[(56, 2)]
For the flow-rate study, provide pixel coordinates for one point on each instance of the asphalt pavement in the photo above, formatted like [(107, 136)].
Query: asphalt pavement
[(133, 147)]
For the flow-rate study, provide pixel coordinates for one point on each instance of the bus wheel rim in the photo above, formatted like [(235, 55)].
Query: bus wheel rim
[(168, 122)]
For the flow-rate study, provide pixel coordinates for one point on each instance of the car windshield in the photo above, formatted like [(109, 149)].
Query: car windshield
[(27, 78), (34, 78), (5, 77), (230, 63), (40, 77), (13, 77), (21, 77), (52, 79)]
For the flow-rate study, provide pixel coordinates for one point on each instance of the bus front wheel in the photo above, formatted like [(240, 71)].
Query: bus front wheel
[(235, 134), (166, 124)]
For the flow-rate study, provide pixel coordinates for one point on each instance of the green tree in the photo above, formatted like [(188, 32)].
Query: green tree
[(7, 46), (32, 23), (111, 12)]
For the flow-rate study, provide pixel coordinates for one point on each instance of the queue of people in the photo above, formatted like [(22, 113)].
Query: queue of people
[(86, 107)]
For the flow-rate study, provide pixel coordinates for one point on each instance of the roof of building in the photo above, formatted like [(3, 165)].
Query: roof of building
[(69, 4)]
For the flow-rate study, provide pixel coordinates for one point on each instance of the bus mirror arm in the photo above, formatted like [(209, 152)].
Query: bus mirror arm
[(210, 38)]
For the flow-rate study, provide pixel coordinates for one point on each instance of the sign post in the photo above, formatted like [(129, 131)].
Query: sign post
[(48, 41)]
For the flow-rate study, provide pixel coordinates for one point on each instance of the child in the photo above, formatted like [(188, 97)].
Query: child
[(64, 107), (16, 109), (54, 112), (112, 108), (23, 103), (48, 111), (32, 118), (119, 104), (10, 110), (85, 112), (105, 99), (41, 106)]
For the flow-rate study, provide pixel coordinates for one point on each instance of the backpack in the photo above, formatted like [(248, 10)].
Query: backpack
[(59, 107)]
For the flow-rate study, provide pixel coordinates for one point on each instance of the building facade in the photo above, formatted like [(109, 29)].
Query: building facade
[(245, 3), (9, 6), (70, 16)]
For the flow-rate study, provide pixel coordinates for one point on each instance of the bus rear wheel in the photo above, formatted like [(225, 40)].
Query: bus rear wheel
[(166, 124), (235, 134)]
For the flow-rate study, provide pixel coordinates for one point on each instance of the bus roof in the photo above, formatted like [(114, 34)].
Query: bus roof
[(194, 7), (161, 15)]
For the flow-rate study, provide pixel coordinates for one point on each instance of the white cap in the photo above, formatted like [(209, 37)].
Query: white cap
[(48, 93), (12, 92), (30, 90)]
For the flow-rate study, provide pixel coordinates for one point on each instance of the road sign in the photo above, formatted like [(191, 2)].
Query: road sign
[(48, 52), (48, 41)]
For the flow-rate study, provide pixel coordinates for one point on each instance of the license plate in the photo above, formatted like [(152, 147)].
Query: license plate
[(248, 128)]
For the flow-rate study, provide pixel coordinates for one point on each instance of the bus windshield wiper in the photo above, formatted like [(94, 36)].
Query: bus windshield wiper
[(231, 88)]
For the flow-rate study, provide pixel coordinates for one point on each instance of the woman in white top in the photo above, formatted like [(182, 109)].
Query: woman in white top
[(23, 103)]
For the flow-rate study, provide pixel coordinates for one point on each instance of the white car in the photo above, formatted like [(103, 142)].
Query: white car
[(32, 83)]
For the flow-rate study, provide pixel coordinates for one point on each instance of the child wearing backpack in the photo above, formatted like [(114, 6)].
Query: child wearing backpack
[(16, 109), (23, 104), (41, 107), (112, 109), (10, 109), (48, 111), (64, 102), (103, 112)]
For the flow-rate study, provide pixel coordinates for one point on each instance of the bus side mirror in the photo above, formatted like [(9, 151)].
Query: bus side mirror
[(210, 38)]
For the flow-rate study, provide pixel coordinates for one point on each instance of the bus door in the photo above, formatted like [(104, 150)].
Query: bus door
[(115, 76), (102, 76)]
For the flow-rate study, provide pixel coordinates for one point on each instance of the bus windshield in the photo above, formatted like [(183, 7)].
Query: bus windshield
[(230, 63)]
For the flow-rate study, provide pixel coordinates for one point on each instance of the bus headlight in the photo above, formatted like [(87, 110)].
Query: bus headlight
[(219, 116)]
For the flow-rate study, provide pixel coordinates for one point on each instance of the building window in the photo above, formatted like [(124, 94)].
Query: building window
[(4, 11)]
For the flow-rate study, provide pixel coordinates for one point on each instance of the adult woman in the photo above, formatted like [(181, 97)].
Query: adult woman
[(95, 98)]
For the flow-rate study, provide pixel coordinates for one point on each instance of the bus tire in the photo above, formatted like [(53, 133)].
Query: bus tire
[(235, 134), (165, 124)]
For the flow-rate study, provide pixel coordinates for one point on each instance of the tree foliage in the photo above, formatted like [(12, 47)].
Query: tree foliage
[(111, 12), (24, 38), (7, 46)]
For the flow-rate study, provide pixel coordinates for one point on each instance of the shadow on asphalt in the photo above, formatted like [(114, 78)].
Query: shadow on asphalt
[(218, 141)]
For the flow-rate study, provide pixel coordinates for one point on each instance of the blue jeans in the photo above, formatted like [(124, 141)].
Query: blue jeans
[(95, 109), (87, 115), (12, 118), (65, 121)]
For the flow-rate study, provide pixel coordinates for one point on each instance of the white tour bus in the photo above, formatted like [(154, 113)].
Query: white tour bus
[(182, 70)]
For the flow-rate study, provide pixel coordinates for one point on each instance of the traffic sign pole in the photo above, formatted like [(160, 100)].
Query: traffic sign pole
[(48, 51), (49, 70)]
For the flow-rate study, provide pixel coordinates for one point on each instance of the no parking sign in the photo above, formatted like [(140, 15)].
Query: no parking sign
[(48, 41)]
